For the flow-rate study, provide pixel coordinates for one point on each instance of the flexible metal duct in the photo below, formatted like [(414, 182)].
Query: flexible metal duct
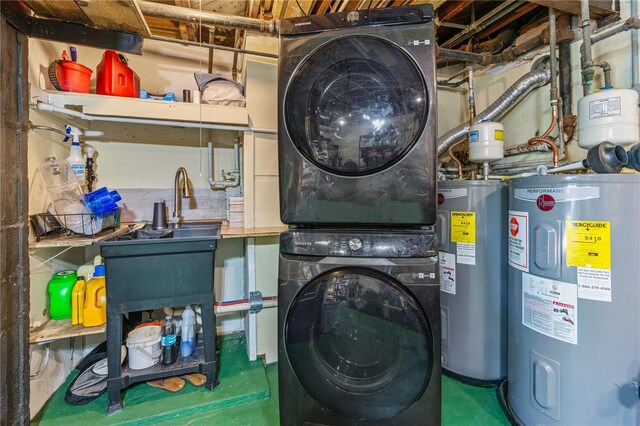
[(499, 108)]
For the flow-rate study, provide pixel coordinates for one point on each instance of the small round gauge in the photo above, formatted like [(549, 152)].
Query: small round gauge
[(353, 16), (355, 244)]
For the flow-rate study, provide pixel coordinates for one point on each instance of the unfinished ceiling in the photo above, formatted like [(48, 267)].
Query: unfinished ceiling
[(469, 25)]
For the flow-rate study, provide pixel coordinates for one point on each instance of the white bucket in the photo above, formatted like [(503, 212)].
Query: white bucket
[(144, 347)]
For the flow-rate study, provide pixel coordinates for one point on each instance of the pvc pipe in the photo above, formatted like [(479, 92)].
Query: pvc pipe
[(225, 308), (222, 184), (244, 306), (73, 113), (567, 167), (635, 73)]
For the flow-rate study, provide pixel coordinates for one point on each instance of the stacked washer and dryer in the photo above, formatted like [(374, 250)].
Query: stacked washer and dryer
[(359, 313)]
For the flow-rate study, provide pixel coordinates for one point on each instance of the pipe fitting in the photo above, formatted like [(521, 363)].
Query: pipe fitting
[(606, 157), (634, 157)]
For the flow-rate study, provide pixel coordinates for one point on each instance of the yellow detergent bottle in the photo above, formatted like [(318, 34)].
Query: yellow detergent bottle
[(77, 301), (95, 304)]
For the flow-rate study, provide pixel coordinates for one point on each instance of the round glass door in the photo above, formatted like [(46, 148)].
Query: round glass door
[(359, 344), (356, 105)]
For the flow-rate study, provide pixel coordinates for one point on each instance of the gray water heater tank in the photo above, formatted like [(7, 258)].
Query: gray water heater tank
[(574, 299), (472, 230)]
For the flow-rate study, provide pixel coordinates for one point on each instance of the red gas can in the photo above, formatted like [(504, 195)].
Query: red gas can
[(115, 78)]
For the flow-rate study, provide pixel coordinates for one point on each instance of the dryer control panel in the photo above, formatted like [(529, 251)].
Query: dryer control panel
[(357, 18)]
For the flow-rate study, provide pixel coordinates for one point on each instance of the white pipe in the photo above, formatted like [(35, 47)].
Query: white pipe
[(635, 74), (239, 307), (567, 167), (222, 184), (224, 309), (70, 112)]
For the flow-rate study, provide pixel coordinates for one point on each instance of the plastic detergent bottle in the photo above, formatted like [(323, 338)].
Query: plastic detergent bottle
[(75, 158), (188, 342), (87, 269), (168, 341), (59, 289), (95, 303), (77, 301)]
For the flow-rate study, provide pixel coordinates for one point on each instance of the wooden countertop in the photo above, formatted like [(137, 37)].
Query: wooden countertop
[(270, 231), (83, 240)]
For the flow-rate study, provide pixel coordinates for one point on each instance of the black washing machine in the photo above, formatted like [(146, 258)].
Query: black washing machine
[(359, 328), (357, 118)]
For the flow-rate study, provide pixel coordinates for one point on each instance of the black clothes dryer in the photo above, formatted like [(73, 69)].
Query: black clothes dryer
[(359, 328), (357, 118)]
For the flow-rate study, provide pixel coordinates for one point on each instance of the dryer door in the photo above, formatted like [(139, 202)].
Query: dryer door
[(359, 343), (356, 105)]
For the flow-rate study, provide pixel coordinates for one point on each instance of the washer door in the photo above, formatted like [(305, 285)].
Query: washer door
[(359, 344), (356, 105)]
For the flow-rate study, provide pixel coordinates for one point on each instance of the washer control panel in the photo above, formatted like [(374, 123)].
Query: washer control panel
[(418, 243)]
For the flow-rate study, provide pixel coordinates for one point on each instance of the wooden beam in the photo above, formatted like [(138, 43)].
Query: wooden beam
[(114, 15), (66, 10), (187, 31), (526, 8), (450, 9), (597, 8), (322, 7), (254, 8), (351, 5), (279, 8)]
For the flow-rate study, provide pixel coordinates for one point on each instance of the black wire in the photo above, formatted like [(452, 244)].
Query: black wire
[(301, 9)]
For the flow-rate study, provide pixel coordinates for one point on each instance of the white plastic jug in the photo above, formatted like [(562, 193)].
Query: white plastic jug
[(188, 342)]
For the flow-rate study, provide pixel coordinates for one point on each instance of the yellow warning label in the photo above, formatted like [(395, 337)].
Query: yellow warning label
[(588, 244), (463, 227), (499, 135)]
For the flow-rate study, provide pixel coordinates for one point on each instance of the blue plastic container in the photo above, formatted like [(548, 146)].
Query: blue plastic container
[(102, 201)]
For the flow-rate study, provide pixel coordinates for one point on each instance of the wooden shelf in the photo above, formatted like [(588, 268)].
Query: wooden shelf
[(76, 240), (62, 329)]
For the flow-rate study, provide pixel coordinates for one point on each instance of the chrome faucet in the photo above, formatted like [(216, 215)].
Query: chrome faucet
[(186, 193)]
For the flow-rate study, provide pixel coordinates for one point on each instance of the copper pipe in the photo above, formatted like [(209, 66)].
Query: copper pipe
[(454, 158), (545, 136)]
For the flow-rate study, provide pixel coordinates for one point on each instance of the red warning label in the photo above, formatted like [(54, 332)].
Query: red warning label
[(514, 227), (519, 240)]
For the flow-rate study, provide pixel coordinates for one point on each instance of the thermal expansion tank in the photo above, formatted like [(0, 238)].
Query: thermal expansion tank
[(472, 230), (574, 295)]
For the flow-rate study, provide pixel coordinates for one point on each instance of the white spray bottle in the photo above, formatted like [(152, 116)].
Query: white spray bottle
[(75, 158)]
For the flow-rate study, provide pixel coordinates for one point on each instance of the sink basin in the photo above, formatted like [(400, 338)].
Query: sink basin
[(189, 231)]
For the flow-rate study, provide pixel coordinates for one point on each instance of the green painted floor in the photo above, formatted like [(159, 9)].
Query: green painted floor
[(248, 395)]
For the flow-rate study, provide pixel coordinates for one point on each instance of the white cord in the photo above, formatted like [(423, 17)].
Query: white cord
[(50, 259)]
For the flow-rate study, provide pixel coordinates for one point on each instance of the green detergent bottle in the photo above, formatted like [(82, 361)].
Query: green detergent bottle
[(60, 289)]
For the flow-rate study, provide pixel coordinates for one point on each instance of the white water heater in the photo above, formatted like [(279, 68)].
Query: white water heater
[(486, 142), (609, 115)]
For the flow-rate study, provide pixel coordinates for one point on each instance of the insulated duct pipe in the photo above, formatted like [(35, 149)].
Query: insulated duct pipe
[(499, 108), (195, 16)]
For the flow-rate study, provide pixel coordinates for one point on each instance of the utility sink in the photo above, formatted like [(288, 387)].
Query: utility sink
[(191, 231)]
